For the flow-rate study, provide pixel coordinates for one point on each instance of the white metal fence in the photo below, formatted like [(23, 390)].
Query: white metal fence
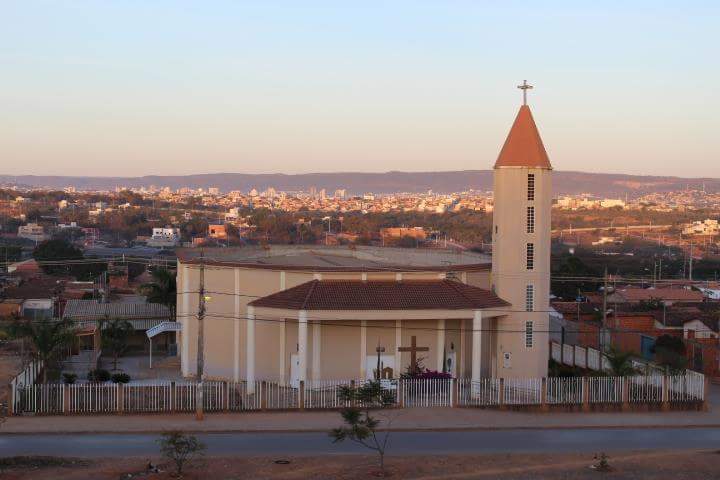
[(105, 398)]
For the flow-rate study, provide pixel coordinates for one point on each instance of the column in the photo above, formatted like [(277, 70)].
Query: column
[(250, 349), (236, 329), (461, 363), (283, 354), (398, 344), (440, 344), (363, 349), (476, 344), (317, 350), (185, 351), (302, 345)]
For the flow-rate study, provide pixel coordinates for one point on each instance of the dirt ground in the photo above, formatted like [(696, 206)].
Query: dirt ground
[(655, 465)]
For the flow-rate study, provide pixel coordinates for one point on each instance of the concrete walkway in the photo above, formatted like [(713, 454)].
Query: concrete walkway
[(407, 419)]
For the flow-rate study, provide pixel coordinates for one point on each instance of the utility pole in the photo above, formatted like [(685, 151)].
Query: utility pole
[(199, 415), (604, 316), (691, 261)]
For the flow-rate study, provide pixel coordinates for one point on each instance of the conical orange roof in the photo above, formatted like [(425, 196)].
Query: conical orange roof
[(523, 147)]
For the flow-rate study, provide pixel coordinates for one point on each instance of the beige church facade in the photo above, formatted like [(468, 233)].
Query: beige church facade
[(298, 313)]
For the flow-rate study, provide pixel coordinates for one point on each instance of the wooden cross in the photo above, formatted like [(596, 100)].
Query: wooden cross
[(413, 349), (525, 87)]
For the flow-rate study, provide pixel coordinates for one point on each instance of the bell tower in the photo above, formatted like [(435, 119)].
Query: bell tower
[(522, 191)]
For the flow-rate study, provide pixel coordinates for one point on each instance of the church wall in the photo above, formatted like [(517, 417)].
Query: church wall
[(220, 325), (425, 331), (340, 351)]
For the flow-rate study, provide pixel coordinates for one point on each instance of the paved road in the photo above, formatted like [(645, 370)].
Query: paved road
[(505, 441)]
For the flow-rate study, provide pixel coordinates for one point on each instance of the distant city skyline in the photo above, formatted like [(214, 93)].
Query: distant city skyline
[(176, 88)]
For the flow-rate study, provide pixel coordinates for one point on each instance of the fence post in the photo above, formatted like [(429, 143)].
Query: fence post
[(199, 413), (120, 397), (665, 394), (586, 394), (66, 399), (263, 395), (401, 393), (455, 393), (626, 393), (173, 399), (226, 397), (11, 396), (301, 395), (352, 389), (543, 395), (706, 392), (501, 394)]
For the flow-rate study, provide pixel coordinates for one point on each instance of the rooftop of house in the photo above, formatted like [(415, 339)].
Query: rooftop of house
[(381, 295), (328, 258), (664, 294), (568, 309), (88, 310)]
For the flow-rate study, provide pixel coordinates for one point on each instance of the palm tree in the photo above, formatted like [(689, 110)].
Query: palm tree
[(620, 363), (162, 289), (48, 338)]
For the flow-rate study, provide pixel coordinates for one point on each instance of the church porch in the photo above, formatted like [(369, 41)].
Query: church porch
[(349, 345)]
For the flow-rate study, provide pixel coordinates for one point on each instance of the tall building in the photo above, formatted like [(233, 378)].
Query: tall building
[(521, 248)]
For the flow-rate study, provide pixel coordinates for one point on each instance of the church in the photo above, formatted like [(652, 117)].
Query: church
[(291, 313)]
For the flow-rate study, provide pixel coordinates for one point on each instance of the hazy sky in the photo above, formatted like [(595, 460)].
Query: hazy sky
[(139, 87)]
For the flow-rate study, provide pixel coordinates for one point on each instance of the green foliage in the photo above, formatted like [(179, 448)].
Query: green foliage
[(115, 335), (12, 253), (181, 449), (360, 425), (98, 375), (162, 289), (566, 265), (69, 378), (64, 254), (670, 352), (557, 369), (120, 378), (620, 363), (48, 337)]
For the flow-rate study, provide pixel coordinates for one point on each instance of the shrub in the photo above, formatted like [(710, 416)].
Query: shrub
[(434, 374), (120, 378), (69, 378), (180, 448), (98, 375)]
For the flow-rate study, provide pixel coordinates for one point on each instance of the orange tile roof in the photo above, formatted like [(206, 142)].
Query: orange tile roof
[(523, 146), (381, 295)]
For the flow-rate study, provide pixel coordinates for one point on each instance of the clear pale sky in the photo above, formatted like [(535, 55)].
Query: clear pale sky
[(139, 87)]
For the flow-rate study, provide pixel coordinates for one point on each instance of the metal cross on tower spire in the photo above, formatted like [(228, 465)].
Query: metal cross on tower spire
[(525, 87)]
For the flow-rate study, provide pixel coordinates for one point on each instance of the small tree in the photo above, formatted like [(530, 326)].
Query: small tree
[(620, 363), (361, 426), (181, 449), (115, 338)]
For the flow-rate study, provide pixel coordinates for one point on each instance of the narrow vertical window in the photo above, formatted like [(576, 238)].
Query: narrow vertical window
[(529, 298), (530, 256), (528, 334), (531, 187), (530, 221)]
